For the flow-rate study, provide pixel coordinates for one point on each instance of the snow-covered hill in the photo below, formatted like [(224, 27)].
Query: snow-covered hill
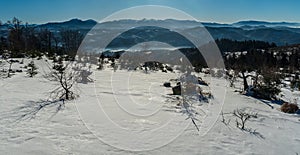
[(67, 132)]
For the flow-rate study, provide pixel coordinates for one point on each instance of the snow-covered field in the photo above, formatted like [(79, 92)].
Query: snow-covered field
[(71, 130)]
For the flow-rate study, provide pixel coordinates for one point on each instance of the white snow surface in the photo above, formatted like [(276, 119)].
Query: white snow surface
[(67, 131)]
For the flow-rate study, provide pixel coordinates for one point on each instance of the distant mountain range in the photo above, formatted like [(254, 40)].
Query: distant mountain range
[(267, 24), (71, 24), (281, 33)]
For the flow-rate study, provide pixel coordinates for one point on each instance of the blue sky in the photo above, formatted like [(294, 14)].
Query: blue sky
[(223, 11)]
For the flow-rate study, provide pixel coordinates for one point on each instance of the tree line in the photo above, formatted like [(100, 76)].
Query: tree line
[(29, 40), (227, 45), (269, 66)]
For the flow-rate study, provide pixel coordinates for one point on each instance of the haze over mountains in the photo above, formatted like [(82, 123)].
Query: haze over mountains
[(281, 33)]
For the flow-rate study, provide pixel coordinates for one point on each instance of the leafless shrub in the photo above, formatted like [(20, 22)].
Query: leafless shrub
[(66, 76), (242, 117)]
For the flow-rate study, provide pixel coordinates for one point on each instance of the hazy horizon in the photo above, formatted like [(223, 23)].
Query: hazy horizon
[(219, 11), (72, 18)]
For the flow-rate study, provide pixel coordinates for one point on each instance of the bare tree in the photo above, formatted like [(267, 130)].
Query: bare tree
[(243, 117), (45, 37), (15, 36), (30, 40), (66, 76), (71, 40)]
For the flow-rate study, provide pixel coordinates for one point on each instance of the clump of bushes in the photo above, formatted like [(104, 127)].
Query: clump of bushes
[(265, 92), (289, 108)]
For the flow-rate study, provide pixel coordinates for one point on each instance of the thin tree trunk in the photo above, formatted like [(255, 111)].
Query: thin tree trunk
[(9, 70), (67, 94), (246, 86)]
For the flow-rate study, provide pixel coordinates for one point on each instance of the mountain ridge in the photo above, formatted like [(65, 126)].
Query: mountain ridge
[(281, 33), (234, 24)]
